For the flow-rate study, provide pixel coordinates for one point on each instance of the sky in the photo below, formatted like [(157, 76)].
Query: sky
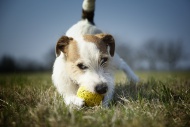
[(30, 28)]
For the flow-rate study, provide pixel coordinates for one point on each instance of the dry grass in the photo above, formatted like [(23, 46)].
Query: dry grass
[(160, 100)]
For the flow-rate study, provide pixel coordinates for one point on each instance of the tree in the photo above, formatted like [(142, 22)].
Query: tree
[(171, 53), (7, 64), (149, 52), (167, 53), (50, 58)]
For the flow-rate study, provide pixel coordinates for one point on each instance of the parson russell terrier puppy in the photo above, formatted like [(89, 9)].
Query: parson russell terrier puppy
[(86, 57)]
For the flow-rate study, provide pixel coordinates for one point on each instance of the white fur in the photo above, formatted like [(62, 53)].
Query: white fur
[(119, 63), (84, 27), (65, 81), (81, 28), (88, 5), (68, 82)]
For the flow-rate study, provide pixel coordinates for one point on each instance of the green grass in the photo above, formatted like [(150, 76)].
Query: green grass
[(161, 99)]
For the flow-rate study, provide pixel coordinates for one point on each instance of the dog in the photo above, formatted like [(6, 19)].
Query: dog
[(86, 56)]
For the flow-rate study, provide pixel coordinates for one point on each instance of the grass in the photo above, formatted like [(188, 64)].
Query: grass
[(161, 99)]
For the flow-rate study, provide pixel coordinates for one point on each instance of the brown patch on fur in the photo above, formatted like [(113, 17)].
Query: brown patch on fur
[(69, 47), (102, 41), (62, 45), (97, 41), (73, 53)]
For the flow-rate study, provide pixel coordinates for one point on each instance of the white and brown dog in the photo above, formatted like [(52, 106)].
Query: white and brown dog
[(86, 57)]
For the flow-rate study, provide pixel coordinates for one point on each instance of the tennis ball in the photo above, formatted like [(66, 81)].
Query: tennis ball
[(91, 99)]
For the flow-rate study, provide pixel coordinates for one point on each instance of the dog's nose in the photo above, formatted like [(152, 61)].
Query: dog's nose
[(101, 88)]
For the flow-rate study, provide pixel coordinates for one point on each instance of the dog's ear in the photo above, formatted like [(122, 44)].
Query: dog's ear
[(109, 40), (62, 45)]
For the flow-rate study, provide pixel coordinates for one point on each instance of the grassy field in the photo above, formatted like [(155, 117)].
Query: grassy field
[(161, 99)]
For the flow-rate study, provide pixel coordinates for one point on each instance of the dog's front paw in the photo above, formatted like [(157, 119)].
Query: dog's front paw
[(79, 102), (74, 100)]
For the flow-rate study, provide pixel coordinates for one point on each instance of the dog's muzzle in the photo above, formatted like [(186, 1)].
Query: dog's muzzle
[(101, 88)]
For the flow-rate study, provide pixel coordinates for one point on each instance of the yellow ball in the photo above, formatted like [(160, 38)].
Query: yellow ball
[(91, 99)]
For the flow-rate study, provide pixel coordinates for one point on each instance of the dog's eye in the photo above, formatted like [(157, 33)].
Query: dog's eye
[(103, 61), (82, 66)]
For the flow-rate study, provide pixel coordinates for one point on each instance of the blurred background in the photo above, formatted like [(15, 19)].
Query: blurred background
[(150, 35)]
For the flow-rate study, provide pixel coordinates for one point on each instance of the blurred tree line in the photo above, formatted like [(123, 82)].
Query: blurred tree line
[(10, 64), (155, 55), (152, 55)]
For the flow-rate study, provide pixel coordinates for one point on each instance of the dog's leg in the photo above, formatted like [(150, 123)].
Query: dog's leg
[(74, 100), (119, 63), (107, 99), (70, 96), (109, 95), (67, 89)]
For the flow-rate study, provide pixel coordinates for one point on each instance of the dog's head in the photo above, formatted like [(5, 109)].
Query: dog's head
[(87, 60)]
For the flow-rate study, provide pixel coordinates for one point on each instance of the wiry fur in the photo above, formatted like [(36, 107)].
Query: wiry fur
[(84, 43)]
